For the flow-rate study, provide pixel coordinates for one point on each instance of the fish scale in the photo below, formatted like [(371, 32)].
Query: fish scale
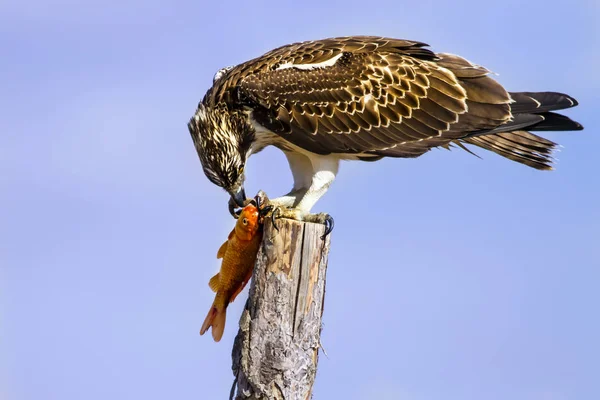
[(239, 255)]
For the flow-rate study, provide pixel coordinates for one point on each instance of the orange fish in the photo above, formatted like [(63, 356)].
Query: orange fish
[(238, 254)]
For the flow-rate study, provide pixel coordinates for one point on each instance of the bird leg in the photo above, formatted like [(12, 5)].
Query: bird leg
[(302, 171), (324, 170), (289, 200)]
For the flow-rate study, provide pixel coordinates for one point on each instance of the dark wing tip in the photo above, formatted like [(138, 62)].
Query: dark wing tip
[(556, 122), (573, 99), (537, 102)]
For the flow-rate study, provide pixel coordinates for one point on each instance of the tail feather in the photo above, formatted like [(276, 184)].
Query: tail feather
[(520, 146), (519, 121), (539, 102), (525, 141), (531, 112), (556, 122), (216, 319)]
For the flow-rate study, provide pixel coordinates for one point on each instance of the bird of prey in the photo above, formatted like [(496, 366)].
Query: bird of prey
[(362, 98)]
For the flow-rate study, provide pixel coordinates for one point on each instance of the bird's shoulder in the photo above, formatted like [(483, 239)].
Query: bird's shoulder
[(306, 55)]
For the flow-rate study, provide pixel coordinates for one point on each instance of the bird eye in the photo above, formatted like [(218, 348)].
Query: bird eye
[(240, 171), (245, 221)]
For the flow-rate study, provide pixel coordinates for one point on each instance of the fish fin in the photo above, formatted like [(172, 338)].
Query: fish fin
[(213, 283), (222, 250), (242, 286), (215, 319), (238, 291)]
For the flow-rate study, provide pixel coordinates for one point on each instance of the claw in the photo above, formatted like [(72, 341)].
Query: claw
[(265, 210), (261, 198), (329, 224), (257, 201), (274, 214)]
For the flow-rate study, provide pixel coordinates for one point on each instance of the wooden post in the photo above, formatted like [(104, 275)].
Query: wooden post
[(275, 352)]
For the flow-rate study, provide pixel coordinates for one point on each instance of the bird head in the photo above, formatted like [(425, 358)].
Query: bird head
[(222, 139)]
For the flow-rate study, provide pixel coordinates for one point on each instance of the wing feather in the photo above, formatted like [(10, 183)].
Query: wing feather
[(426, 116), (439, 112), (375, 97), (390, 114)]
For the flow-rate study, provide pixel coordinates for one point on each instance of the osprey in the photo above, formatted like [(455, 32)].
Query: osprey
[(361, 98)]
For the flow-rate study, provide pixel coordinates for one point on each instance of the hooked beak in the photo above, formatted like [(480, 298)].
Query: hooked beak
[(239, 197)]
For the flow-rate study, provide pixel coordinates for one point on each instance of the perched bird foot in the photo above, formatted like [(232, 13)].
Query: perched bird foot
[(299, 215), (261, 201), (321, 218)]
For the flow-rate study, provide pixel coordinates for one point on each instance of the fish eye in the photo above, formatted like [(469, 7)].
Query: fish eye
[(245, 221)]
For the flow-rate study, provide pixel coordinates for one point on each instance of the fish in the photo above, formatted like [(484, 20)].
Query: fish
[(239, 255)]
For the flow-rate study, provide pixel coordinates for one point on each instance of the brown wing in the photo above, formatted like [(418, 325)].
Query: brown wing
[(375, 97), (372, 97), (310, 52)]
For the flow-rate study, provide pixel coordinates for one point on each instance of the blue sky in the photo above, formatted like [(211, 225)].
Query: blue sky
[(462, 278)]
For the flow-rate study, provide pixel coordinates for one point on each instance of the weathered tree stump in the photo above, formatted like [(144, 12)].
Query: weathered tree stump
[(275, 352)]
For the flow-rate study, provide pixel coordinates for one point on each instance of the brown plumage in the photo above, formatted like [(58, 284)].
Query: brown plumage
[(369, 97)]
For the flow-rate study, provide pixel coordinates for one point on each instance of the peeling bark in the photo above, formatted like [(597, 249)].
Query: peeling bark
[(275, 353)]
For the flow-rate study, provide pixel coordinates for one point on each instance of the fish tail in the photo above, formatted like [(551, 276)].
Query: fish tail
[(215, 318)]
